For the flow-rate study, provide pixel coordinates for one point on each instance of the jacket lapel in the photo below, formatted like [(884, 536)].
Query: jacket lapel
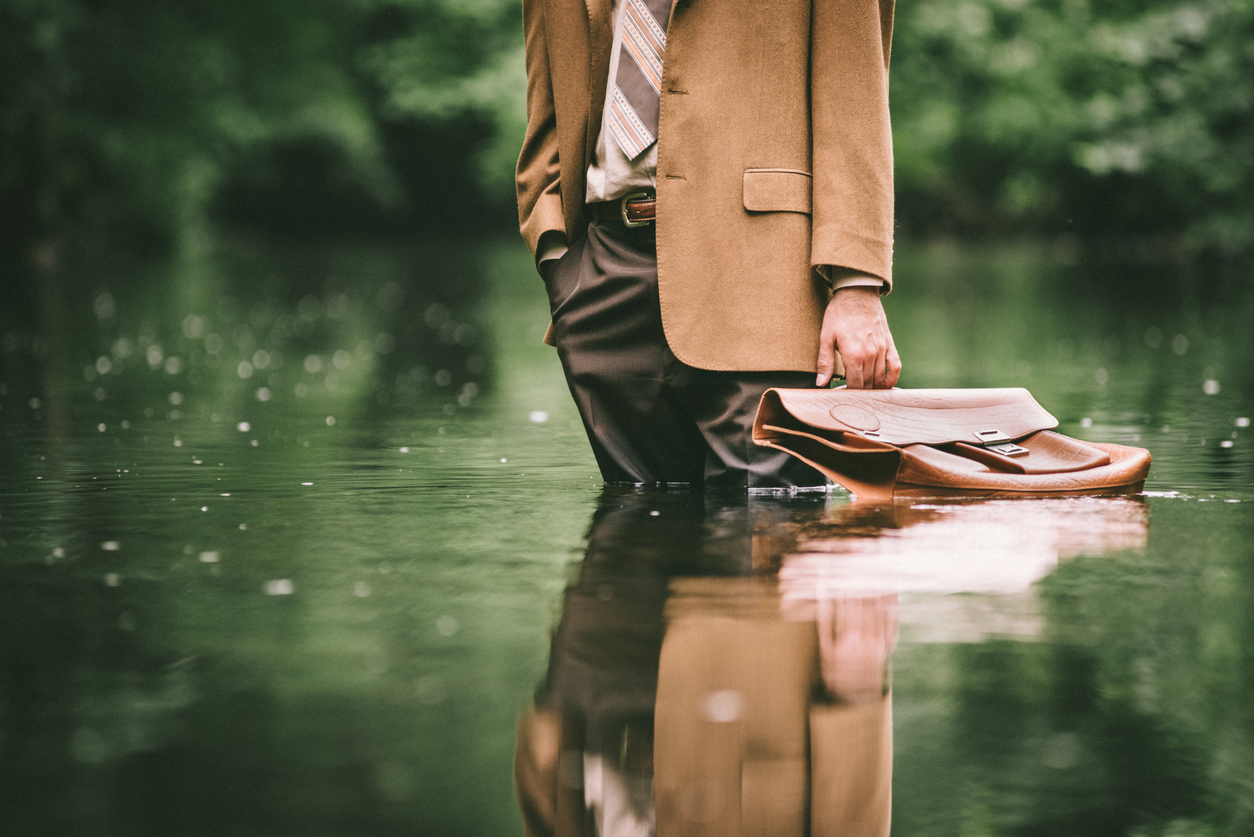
[(600, 42)]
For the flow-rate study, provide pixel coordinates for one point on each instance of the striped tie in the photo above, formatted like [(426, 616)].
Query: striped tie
[(638, 83)]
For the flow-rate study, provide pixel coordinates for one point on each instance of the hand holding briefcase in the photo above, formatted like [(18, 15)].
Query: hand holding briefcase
[(882, 444)]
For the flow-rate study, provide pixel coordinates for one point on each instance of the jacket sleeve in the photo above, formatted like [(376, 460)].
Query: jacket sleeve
[(538, 183), (852, 137), (851, 769)]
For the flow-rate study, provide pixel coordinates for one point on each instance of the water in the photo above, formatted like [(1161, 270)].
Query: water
[(291, 537)]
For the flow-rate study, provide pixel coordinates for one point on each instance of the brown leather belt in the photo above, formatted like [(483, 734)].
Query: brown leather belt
[(638, 209)]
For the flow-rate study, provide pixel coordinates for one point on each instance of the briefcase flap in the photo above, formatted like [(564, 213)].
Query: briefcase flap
[(909, 416)]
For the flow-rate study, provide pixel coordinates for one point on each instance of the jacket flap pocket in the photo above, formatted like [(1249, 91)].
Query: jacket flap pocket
[(777, 190)]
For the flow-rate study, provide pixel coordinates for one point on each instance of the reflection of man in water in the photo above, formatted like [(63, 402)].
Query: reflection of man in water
[(684, 697), (707, 189)]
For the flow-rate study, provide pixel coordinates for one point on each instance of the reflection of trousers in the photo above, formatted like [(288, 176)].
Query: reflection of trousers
[(650, 417)]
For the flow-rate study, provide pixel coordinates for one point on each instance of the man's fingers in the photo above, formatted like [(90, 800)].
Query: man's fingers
[(894, 366), (854, 325), (827, 359), (881, 376), (854, 379)]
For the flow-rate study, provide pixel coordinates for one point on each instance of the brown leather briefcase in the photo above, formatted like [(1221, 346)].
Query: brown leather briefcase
[(882, 444)]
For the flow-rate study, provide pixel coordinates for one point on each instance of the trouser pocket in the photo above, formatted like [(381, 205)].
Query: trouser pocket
[(563, 278)]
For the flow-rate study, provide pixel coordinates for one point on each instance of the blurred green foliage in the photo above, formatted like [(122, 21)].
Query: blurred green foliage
[(1099, 118), (138, 116)]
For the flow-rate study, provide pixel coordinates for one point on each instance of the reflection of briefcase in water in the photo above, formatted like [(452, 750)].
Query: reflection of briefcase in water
[(881, 444)]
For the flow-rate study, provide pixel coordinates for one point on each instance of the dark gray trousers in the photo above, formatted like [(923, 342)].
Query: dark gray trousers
[(651, 418)]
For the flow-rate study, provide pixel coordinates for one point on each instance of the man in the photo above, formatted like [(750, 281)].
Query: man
[(687, 695), (706, 186)]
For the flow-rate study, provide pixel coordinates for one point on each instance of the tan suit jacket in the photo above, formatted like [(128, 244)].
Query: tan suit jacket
[(774, 156), (769, 762)]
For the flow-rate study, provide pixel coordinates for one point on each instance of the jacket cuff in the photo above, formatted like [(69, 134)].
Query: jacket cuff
[(552, 247), (545, 217)]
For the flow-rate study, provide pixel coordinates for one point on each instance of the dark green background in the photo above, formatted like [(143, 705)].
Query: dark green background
[(1121, 122)]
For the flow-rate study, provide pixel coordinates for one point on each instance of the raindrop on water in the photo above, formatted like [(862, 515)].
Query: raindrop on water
[(435, 316), (193, 326), (390, 296), (105, 306), (86, 745), (430, 690)]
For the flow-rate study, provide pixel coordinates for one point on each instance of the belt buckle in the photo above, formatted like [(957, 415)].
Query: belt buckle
[(623, 209)]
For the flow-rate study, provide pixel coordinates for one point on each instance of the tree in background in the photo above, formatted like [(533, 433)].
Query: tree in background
[(1097, 118), (128, 116), (133, 118)]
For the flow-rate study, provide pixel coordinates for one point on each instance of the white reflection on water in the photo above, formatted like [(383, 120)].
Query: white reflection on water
[(995, 546), (279, 587), (992, 551)]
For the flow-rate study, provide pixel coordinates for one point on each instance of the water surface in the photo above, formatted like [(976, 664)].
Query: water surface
[(285, 533)]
